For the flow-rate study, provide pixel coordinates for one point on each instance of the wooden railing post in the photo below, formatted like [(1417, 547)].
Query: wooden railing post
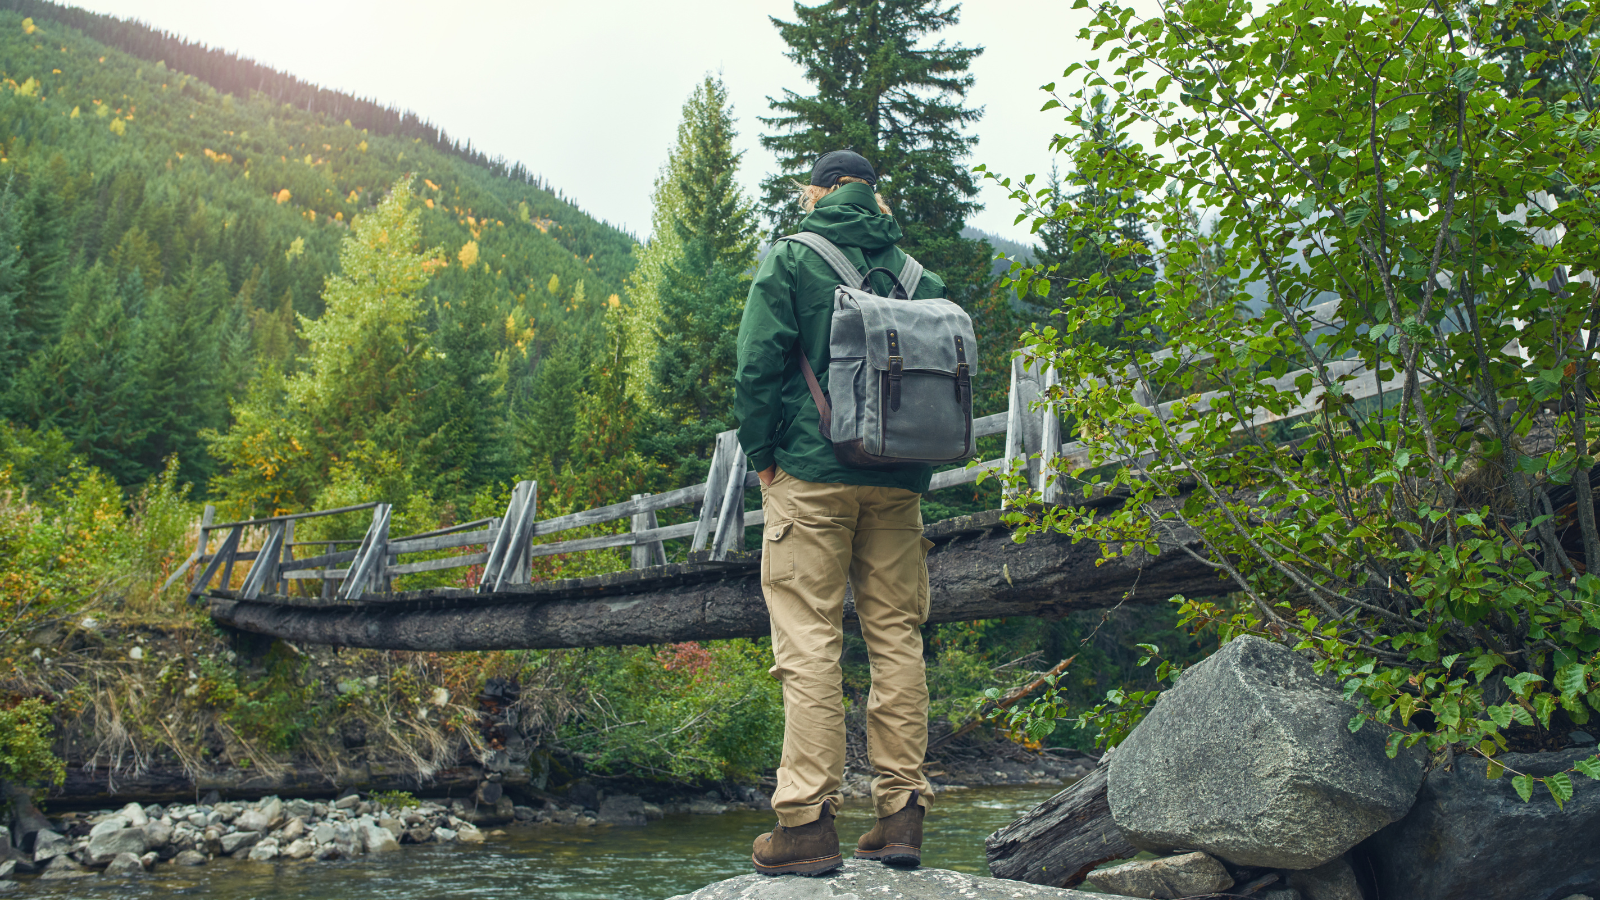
[(653, 553), (722, 461), (730, 518), (371, 556), (223, 558), (509, 561), (264, 571), (1049, 480)]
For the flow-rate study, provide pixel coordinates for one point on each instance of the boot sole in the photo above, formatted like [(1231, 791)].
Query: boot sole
[(801, 866), (894, 855)]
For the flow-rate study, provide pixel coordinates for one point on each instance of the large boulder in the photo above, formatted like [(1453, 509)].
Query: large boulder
[(1250, 758), (622, 809), (859, 880), (1469, 837), (107, 845)]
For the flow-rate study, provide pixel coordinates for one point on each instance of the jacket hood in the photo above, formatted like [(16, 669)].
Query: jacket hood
[(850, 215)]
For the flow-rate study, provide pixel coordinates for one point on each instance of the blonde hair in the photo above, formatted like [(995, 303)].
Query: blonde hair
[(811, 193)]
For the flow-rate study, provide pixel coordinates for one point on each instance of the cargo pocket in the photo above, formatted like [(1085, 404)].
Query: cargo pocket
[(777, 554), (924, 594)]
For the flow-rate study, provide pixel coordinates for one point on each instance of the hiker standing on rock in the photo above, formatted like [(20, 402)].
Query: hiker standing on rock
[(842, 511)]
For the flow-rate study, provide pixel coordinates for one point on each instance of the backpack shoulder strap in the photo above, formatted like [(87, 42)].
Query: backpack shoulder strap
[(910, 276), (832, 255)]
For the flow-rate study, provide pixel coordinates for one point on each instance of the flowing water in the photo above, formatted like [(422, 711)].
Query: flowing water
[(670, 856)]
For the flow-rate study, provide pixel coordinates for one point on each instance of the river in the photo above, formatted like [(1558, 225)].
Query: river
[(670, 856)]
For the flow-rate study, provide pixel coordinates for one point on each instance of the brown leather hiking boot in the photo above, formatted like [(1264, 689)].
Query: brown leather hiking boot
[(896, 840), (809, 849)]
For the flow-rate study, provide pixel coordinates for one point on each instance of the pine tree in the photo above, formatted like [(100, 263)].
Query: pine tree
[(12, 272), (700, 289), (178, 361), (882, 92)]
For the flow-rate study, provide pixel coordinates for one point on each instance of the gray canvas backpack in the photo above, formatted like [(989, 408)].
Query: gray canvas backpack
[(900, 372)]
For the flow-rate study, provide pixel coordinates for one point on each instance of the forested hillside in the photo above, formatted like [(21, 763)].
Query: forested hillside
[(161, 237)]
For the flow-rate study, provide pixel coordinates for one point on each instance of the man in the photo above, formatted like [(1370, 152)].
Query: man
[(828, 524)]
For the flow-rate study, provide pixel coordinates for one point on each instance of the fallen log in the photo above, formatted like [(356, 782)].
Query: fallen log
[(1062, 840), (990, 707), (976, 571), (100, 788)]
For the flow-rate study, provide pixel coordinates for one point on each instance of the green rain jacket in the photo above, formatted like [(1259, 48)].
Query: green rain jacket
[(791, 300)]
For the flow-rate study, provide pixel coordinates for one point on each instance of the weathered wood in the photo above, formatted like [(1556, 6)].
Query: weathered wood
[(722, 461), (319, 562), (952, 477), (985, 426), (206, 516), (433, 565), (729, 535), (509, 547), (1050, 445), (652, 553), (369, 556), (976, 572), (442, 542), (646, 503), (305, 515), (264, 571), (519, 563), (1061, 840), (1014, 411), (627, 539), (229, 545), (100, 788)]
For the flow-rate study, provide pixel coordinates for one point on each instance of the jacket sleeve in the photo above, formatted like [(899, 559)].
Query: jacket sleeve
[(767, 335)]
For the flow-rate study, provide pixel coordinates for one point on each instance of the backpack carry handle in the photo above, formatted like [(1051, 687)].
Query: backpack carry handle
[(866, 282)]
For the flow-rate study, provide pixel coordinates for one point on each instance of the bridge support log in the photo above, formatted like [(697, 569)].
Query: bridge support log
[(976, 572)]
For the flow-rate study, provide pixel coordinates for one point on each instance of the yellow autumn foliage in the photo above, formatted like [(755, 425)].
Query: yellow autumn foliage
[(28, 27), (283, 196), (468, 254), (118, 127)]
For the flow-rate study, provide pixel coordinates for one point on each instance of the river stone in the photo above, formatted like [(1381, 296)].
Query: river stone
[(865, 880), (149, 860), (1331, 881), (8, 870), (105, 846), (157, 834), (266, 851), (135, 815), (470, 835), (323, 833), (1469, 837), (418, 834), (299, 849), (239, 840), (108, 825), (299, 808), (48, 845), (1250, 758), (445, 835), (189, 858), (1164, 879), (123, 865), (620, 809), (374, 837), (64, 867), (346, 839), (350, 801)]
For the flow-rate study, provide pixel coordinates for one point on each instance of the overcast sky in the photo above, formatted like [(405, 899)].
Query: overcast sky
[(589, 94)]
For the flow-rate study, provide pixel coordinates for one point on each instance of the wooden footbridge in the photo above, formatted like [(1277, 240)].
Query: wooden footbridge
[(976, 570)]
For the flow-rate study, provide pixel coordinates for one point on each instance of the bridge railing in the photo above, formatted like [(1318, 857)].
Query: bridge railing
[(506, 546)]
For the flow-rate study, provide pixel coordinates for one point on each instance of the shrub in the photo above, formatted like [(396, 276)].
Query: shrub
[(1388, 181)]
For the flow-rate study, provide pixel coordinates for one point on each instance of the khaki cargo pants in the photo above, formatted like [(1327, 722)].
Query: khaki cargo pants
[(818, 537)]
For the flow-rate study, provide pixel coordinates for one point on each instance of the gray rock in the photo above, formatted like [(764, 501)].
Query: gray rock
[(190, 858), (149, 860), (1578, 897), (227, 812), (157, 834), (417, 834), (9, 887), (109, 824), (105, 846), (1164, 879), (374, 837), (621, 809), (861, 880), (272, 808), (349, 802), (326, 851), (123, 865), (266, 851), (292, 830), (299, 849), (1469, 837), (300, 808), (1250, 758), (135, 815), (700, 806), (444, 835), (346, 839), (1279, 894), (65, 867), (239, 840), (8, 870), (48, 845), (1331, 881), (323, 833), (470, 835), (524, 813)]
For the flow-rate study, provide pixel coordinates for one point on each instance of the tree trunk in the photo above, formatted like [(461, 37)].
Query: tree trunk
[(1061, 840), (976, 571)]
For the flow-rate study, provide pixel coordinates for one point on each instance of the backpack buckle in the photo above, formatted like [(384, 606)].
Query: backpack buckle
[(897, 365)]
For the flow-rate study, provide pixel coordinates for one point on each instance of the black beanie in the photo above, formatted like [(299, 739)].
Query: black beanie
[(832, 166)]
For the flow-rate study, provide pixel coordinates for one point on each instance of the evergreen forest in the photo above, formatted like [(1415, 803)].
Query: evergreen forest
[(222, 285)]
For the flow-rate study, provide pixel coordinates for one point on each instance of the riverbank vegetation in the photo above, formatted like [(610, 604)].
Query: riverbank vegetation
[(1411, 191), (281, 299)]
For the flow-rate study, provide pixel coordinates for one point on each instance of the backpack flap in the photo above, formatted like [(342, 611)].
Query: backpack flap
[(917, 363)]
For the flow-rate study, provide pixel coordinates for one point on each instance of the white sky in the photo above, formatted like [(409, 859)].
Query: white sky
[(589, 94)]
